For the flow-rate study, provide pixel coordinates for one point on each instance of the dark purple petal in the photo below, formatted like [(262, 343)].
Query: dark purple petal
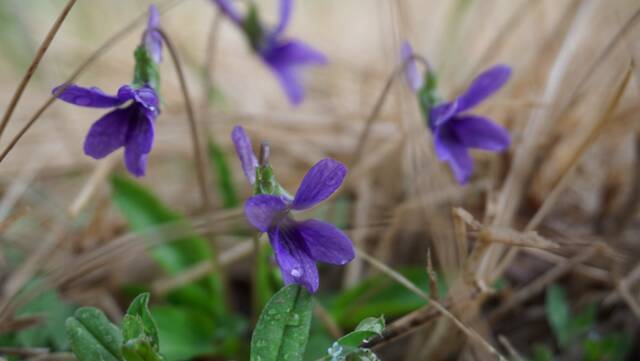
[(442, 113), (294, 261), (152, 38), (108, 133), (286, 59), (264, 210), (411, 74), (229, 10), (292, 52), (139, 142), (449, 149), (245, 153), (319, 183), (481, 133), (290, 83), (87, 97), (145, 96), (483, 86), (286, 7), (325, 242)]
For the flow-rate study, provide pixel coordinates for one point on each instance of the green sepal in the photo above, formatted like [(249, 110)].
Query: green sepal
[(146, 70), (138, 322), (428, 95), (253, 28), (266, 183)]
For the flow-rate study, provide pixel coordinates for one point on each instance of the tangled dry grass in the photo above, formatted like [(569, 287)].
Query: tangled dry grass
[(561, 206)]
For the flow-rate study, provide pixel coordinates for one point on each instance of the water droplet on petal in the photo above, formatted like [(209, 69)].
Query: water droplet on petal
[(296, 272)]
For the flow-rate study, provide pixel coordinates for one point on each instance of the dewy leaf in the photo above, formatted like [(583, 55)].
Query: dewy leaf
[(144, 211), (146, 70), (558, 314), (92, 336), (226, 185), (139, 309), (282, 330), (366, 329)]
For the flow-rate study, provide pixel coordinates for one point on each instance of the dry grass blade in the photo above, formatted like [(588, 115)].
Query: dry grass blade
[(34, 65)]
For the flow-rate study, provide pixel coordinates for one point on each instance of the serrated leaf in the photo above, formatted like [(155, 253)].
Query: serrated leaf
[(282, 330), (143, 210), (139, 311), (146, 70), (558, 314), (226, 185), (92, 336), (367, 328)]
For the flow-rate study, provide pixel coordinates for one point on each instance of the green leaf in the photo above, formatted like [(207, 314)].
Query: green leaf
[(282, 330), (184, 332), (226, 185), (367, 328), (542, 353), (140, 316), (92, 336), (145, 211), (140, 349), (613, 347), (146, 70), (54, 312), (558, 314), (583, 322)]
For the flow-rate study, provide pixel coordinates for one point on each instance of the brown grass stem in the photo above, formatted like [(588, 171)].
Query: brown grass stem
[(34, 65)]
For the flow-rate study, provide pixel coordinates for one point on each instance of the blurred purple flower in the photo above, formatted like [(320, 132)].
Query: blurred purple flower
[(412, 76), (298, 245), (455, 131), (244, 150), (131, 127), (285, 57), (152, 38)]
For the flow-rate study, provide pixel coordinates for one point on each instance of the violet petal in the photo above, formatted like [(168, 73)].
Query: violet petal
[(152, 38), (295, 263), (245, 153), (442, 113), (483, 86), (229, 10), (325, 242), (88, 97), (264, 210), (449, 149), (320, 182), (478, 132), (108, 133), (286, 7), (411, 74), (139, 142)]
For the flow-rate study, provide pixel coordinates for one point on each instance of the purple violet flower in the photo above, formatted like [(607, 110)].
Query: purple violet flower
[(285, 57), (152, 38), (131, 127), (297, 245), (455, 130)]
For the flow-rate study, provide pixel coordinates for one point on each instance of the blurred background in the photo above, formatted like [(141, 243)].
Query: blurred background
[(71, 225)]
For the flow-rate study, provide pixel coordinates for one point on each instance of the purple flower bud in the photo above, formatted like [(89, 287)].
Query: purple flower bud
[(152, 37), (411, 74)]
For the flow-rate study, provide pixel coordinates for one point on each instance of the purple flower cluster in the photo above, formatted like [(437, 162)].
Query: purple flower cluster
[(285, 57), (297, 245), (455, 131), (131, 127)]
